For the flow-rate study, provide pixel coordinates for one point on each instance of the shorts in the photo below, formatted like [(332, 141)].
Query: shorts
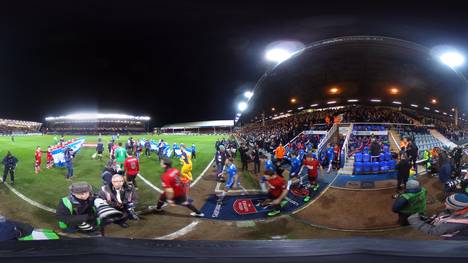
[(37, 163), (312, 177), (271, 196), (230, 182)]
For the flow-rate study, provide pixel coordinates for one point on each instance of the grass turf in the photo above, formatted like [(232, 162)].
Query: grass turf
[(50, 185)]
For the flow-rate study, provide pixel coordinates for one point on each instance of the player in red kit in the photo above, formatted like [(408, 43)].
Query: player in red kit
[(174, 191), (131, 168), (277, 192), (312, 165), (38, 156), (50, 159)]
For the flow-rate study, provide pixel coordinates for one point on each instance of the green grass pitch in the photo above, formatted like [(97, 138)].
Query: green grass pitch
[(50, 185)]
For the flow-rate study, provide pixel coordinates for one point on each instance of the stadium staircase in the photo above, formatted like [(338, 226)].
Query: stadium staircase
[(439, 136), (347, 168), (394, 140)]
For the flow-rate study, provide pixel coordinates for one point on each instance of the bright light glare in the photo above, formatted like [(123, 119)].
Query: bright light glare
[(353, 100), (331, 102), (375, 100), (452, 59), (277, 55), (242, 106), (248, 94), (280, 51), (396, 102)]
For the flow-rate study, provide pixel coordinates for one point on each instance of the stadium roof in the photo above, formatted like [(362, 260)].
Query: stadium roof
[(98, 116), (200, 124), (360, 69)]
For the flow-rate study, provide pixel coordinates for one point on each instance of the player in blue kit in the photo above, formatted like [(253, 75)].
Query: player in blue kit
[(330, 157), (232, 180)]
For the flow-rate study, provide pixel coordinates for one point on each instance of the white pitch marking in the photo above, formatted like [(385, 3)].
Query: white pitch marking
[(203, 173), (157, 189), (181, 232), (29, 200)]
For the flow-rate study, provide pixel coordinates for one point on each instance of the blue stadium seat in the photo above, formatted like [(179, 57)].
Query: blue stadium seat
[(358, 167), (366, 157), (366, 166), (358, 157), (375, 167), (384, 166)]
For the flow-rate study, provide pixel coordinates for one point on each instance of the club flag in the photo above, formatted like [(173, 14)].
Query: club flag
[(58, 151)]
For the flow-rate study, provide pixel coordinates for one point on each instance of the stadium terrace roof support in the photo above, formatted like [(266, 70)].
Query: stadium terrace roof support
[(199, 124)]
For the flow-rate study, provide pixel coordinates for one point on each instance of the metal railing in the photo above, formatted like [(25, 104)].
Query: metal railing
[(344, 149)]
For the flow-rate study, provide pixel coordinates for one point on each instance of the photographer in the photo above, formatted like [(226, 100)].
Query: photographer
[(450, 224), (9, 162), (120, 196), (76, 211), (412, 200)]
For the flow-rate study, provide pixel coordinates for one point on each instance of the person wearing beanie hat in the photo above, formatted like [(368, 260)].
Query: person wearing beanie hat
[(412, 200), (449, 224), (76, 212)]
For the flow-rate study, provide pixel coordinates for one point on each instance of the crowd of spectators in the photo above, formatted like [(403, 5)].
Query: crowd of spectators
[(12, 127)]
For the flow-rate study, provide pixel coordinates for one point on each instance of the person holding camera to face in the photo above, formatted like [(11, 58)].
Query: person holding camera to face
[(120, 196), (452, 223)]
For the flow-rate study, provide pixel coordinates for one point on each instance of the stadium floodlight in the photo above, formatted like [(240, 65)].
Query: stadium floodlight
[(375, 100), (238, 114), (437, 111), (396, 102), (280, 51), (414, 105), (426, 108), (314, 105), (289, 111), (445, 113), (242, 106), (331, 102), (248, 94), (277, 55), (452, 59), (300, 108), (353, 100)]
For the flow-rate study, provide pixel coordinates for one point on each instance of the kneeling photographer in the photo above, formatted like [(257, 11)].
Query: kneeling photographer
[(452, 223), (116, 202)]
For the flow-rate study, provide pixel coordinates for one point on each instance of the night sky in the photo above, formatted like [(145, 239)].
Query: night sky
[(176, 61)]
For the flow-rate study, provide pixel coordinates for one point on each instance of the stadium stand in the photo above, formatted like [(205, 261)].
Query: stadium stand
[(17, 127), (199, 127), (92, 124)]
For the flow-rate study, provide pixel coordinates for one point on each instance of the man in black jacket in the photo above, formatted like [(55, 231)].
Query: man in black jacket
[(9, 162), (403, 167), (76, 212), (375, 150), (121, 197)]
